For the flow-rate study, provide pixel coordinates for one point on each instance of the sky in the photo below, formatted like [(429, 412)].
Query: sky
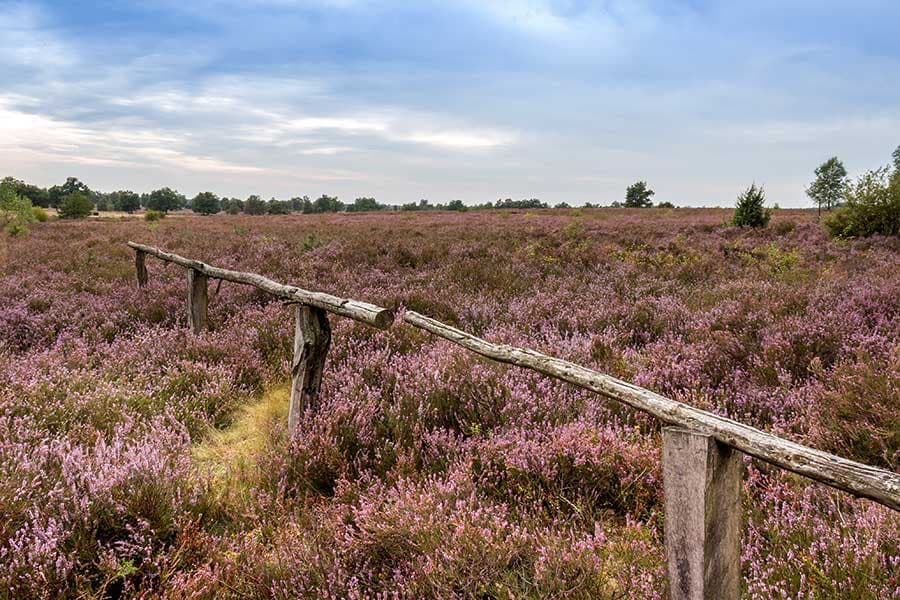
[(563, 100)]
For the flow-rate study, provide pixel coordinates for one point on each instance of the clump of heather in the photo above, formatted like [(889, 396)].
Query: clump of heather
[(427, 471)]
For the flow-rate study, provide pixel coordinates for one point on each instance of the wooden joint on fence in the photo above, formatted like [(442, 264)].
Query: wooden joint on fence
[(702, 489), (197, 300), (140, 267), (312, 338)]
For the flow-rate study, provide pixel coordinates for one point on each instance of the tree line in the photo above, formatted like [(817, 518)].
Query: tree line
[(869, 205)]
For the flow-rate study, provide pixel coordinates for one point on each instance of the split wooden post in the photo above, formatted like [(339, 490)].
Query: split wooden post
[(140, 267), (312, 337), (198, 300), (702, 481)]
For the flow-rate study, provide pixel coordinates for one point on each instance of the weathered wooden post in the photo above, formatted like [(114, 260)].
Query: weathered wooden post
[(198, 300), (702, 481), (140, 267), (312, 337)]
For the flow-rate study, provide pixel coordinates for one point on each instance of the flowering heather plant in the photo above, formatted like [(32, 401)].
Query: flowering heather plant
[(427, 471)]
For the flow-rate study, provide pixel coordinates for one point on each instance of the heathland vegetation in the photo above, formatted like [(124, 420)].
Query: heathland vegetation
[(140, 460)]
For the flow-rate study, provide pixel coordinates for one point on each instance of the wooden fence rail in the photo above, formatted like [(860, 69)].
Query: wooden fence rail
[(702, 467)]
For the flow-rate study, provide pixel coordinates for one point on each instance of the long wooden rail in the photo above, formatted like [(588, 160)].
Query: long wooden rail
[(702, 467)]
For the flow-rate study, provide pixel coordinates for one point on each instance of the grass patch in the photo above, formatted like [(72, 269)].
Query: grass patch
[(228, 455)]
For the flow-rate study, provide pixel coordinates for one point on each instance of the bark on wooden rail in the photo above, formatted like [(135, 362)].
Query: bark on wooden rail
[(858, 479), (364, 312)]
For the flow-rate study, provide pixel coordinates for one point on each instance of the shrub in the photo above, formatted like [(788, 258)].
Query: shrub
[(15, 210), (750, 210), (873, 207), (75, 206), (154, 215), (39, 214)]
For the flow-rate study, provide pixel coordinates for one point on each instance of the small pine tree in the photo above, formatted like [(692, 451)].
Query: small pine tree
[(749, 211), (637, 195), (75, 206)]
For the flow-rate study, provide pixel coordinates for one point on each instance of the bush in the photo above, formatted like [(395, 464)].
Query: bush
[(15, 210), (154, 215), (750, 210), (873, 207), (39, 214), (75, 206)]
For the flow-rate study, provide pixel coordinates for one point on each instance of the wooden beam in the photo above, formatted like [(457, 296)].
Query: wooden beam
[(858, 479), (364, 312), (312, 337), (198, 301), (702, 485), (140, 267)]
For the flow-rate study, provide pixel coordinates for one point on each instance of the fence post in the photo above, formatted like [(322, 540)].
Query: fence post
[(140, 267), (702, 484), (197, 300), (312, 337)]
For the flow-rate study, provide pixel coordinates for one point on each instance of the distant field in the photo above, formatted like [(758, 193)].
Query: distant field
[(139, 460)]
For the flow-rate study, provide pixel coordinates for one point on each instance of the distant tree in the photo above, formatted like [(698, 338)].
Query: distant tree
[(126, 201), (365, 205), (638, 195), (206, 203), (38, 196), (103, 202), (750, 210), (509, 203), (165, 199), (232, 206), (277, 207), (457, 205), (829, 185), (562, 205), (72, 185), (588, 205), (75, 206), (301, 205), (665, 204), (254, 205), (325, 203)]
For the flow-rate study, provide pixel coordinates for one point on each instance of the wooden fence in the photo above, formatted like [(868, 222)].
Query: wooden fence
[(701, 451)]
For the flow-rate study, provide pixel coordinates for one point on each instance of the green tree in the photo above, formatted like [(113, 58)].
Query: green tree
[(457, 205), (873, 206), (665, 204), (126, 201), (829, 185), (278, 207), (205, 203), (232, 206), (75, 206), (750, 210), (325, 204), (638, 195), (896, 157), (299, 204), (365, 205), (72, 185), (254, 205), (38, 196), (15, 210), (165, 199)]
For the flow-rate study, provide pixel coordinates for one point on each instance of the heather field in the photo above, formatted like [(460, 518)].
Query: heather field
[(140, 460)]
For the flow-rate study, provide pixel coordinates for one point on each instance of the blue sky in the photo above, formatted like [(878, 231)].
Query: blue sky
[(476, 100)]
